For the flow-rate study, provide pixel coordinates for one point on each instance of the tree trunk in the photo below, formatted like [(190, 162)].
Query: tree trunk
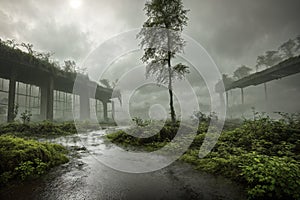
[(173, 115)]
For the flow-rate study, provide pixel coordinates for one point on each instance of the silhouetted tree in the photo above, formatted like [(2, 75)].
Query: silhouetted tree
[(161, 41), (242, 72), (55, 63), (297, 40), (269, 59), (226, 79), (288, 48), (260, 61), (29, 47), (70, 66), (11, 43), (272, 58), (45, 56)]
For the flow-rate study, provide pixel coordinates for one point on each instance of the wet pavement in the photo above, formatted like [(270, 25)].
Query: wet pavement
[(84, 177)]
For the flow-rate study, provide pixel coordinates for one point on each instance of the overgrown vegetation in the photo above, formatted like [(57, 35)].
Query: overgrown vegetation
[(26, 55), (26, 116), (148, 140), (38, 129), (23, 159), (47, 128), (262, 153)]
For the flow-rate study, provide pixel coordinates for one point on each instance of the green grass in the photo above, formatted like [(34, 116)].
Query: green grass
[(263, 154), (22, 159), (38, 129), (46, 128)]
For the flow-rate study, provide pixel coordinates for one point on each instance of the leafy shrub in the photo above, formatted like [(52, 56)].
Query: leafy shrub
[(25, 169), (30, 169), (38, 129), (22, 158), (272, 177), (140, 122), (149, 135), (25, 116), (202, 117)]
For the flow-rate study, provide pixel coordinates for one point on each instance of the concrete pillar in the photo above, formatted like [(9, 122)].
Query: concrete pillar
[(47, 98), (242, 95), (227, 99), (222, 100), (82, 87), (113, 110), (11, 98), (105, 110), (84, 106)]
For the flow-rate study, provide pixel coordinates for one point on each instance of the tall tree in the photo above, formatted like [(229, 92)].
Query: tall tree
[(161, 40)]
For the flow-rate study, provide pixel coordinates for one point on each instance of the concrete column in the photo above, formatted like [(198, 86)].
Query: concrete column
[(242, 95), (113, 110), (47, 98), (11, 98), (105, 110), (227, 99), (222, 100), (84, 106)]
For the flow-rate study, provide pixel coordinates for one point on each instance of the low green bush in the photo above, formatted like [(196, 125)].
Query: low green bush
[(22, 159), (45, 128), (151, 137), (271, 177)]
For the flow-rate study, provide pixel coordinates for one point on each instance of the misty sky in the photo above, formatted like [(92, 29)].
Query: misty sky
[(234, 32)]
